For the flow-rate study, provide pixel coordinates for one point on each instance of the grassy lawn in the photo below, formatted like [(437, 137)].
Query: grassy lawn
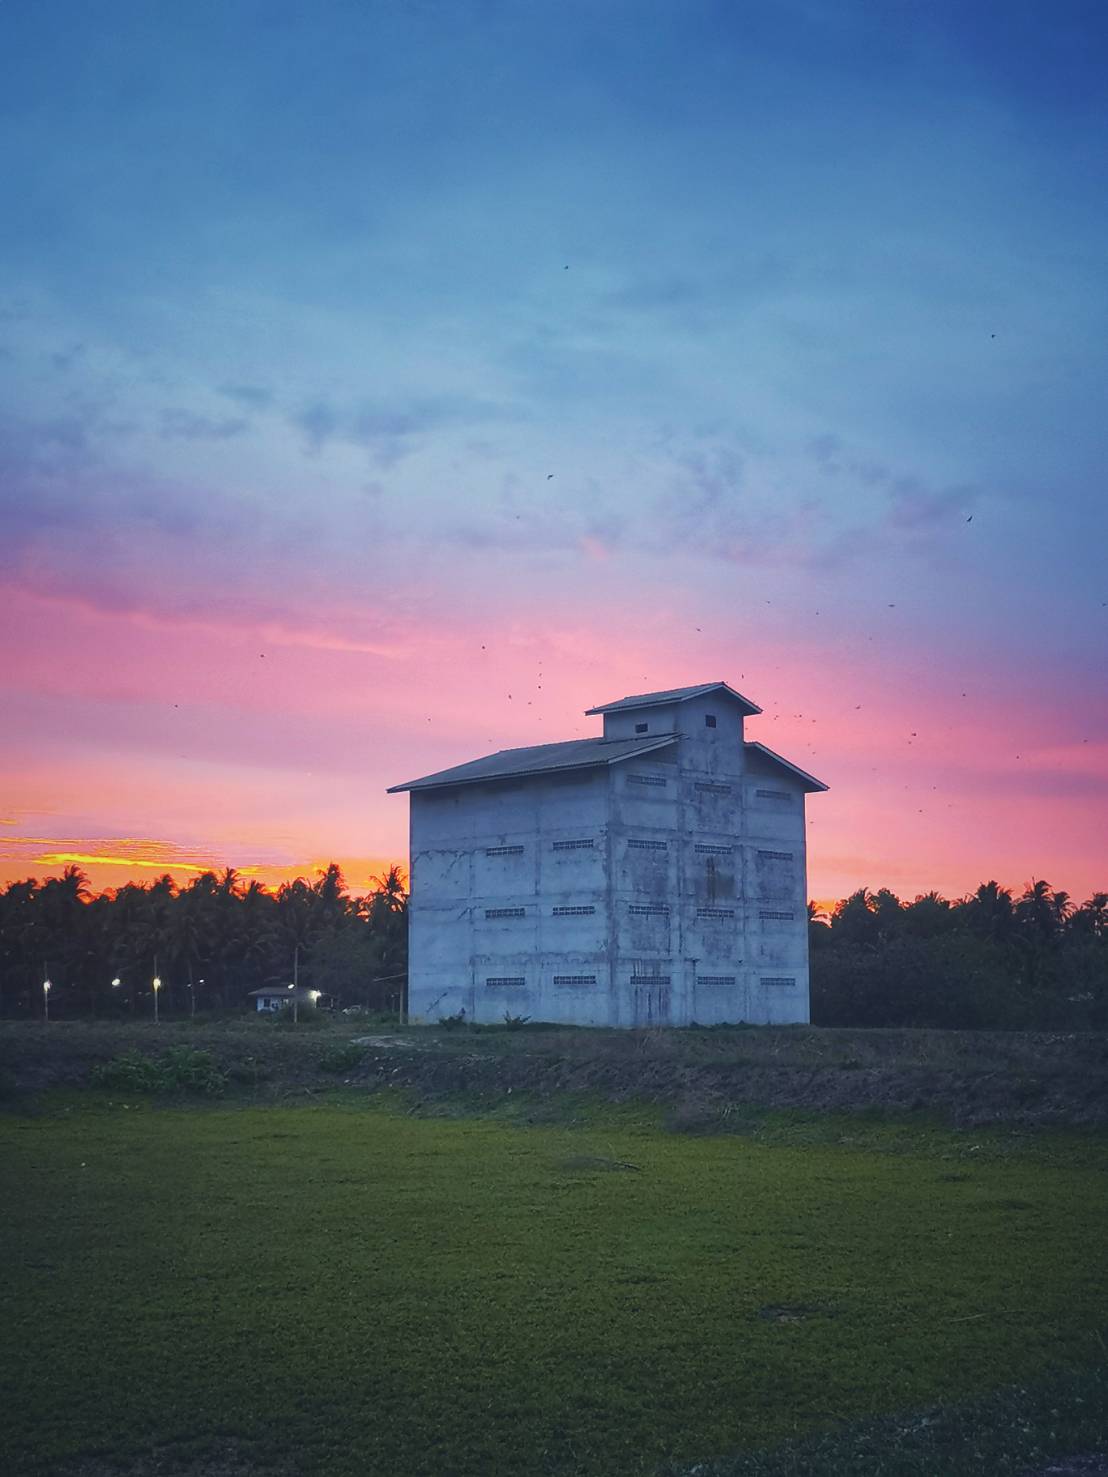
[(342, 1288)]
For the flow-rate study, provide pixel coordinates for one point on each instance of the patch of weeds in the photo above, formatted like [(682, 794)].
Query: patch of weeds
[(515, 1022), (177, 1069), (341, 1056), (249, 1071), (1016, 1430), (694, 1117), (286, 1019), (453, 1022)]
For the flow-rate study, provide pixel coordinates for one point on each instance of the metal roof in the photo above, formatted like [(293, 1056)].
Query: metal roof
[(810, 781), (539, 759), (676, 695)]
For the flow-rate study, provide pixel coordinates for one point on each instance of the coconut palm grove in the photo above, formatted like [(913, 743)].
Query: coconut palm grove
[(1033, 960)]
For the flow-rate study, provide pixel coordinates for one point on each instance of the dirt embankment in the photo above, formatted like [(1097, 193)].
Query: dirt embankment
[(968, 1077)]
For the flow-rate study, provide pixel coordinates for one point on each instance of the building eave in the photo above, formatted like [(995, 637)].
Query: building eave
[(809, 780)]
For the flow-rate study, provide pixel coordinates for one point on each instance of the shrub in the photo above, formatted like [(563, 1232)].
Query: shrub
[(249, 1070), (178, 1069), (341, 1056), (515, 1022), (453, 1022), (306, 1015)]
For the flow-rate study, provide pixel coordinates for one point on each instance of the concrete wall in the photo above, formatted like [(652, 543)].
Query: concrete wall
[(509, 885), (657, 891)]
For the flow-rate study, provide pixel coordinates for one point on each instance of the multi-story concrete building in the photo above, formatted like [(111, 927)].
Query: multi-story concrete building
[(654, 876)]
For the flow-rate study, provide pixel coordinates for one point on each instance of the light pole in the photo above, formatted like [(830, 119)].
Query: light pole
[(157, 986), (46, 988)]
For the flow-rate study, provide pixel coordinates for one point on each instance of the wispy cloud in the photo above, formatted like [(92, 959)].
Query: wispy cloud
[(186, 425), (252, 397)]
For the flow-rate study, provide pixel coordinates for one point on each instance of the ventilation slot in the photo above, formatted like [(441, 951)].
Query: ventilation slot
[(773, 794), (653, 980), (575, 979), (645, 779), (705, 850), (715, 912), (503, 850), (574, 845), (582, 912), (505, 912), (767, 915), (775, 856), (649, 910), (715, 979), (703, 788), (636, 845), (510, 981), (778, 979)]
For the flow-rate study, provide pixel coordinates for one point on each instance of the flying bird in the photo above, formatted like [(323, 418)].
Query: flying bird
[(970, 518), (549, 476)]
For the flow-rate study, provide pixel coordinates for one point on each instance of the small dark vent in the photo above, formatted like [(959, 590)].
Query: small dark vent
[(641, 727), (581, 912), (636, 844), (505, 912), (503, 850), (513, 981), (715, 912), (645, 779), (703, 849), (773, 794), (586, 845), (775, 856), (704, 788), (709, 720), (653, 980), (575, 979), (778, 979), (648, 910), (715, 979), (768, 913)]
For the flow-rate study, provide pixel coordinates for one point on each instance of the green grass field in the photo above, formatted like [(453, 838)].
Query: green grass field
[(344, 1288)]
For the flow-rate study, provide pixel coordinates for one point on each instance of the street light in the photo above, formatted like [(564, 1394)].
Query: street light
[(116, 983), (157, 986), (46, 988)]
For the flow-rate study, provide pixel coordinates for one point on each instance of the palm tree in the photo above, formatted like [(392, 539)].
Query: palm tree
[(989, 911), (1092, 916), (392, 889)]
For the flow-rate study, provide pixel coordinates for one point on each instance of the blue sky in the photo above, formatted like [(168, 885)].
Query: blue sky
[(649, 329)]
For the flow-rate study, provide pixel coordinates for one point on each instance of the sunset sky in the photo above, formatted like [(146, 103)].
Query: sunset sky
[(383, 383)]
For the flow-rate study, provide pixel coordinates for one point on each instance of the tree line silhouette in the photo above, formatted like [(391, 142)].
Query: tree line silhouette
[(991, 959), (1036, 962), (210, 942)]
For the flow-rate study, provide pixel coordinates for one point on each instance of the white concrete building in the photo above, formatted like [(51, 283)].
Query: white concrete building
[(654, 876)]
